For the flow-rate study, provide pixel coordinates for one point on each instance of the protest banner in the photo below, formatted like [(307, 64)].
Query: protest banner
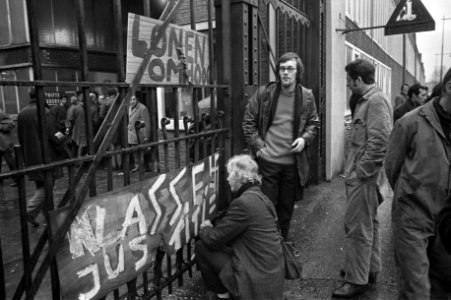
[(180, 57), (115, 236)]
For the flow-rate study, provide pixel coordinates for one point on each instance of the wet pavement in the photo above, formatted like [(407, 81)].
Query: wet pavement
[(317, 230)]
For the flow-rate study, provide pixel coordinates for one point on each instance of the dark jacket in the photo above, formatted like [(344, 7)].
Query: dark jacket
[(400, 99), (256, 270), (28, 132), (257, 115), (59, 112), (418, 169), (76, 121), (402, 109)]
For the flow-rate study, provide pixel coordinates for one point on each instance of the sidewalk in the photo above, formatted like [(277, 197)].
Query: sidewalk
[(317, 229)]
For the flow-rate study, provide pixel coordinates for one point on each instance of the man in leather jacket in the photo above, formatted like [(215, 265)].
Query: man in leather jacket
[(279, 123)]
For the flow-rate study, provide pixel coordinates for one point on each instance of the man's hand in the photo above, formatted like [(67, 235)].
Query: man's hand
[(205, 223), (298, 145)]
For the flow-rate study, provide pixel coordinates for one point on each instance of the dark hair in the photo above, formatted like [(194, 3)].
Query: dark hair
[(415, 89), (32, 93), (445, 79), (361, 68), (299, 65), (436, 91), (111, 92), (403, 85), (64, 95)]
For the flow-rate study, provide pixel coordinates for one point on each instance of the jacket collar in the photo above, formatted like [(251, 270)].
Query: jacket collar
[(370, 92), (410, 105), (429, 113)]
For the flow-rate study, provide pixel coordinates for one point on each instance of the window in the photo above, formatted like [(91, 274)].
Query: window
[(12, 22), (14, 98), (58, 25)]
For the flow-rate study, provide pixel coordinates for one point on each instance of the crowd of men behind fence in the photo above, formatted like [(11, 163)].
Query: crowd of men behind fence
[(408, 144)]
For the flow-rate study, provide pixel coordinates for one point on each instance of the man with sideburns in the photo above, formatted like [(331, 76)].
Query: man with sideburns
[(279, 123)]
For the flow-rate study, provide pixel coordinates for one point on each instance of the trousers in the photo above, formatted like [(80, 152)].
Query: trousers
[(362, 245), (423, 264), (281, 184), (210, 263)]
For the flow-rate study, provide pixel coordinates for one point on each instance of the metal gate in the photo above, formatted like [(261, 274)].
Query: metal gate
[(31, 271)]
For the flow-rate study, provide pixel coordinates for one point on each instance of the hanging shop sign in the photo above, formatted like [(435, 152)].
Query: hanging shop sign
[(409, 16), (179, 55), (115, 236)]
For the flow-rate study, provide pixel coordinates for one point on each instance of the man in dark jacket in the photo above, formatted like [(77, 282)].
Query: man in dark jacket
[(402, 97), (370, 129), (418, 170), (31, 143), (279, 123), (417, 95)]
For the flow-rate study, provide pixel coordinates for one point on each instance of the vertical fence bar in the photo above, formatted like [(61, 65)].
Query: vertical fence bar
[(192, 15), (188, 258), (71, 175), (179, 266), (154, 152), (169, 271), (23, 221), (81, 20), (2, 275), (175, 99), (165, 121), (41, 113), (186, 124), (196, 123)]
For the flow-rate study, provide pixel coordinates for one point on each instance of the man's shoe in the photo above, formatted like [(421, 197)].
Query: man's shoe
[(32, 221), (349, 290), (372, 277)]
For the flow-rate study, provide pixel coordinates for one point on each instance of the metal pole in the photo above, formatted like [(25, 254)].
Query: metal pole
[(403, 59), (441, 57), (443, 39)]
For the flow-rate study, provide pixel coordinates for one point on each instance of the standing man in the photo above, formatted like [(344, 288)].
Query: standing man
[(401, 98), (418, 170), (31, 143), (77, 125), (279, 123), (370, 130), (138, 132), (417, 95)]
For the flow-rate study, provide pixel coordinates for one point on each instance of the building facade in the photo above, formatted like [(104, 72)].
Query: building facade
[(386, 52)]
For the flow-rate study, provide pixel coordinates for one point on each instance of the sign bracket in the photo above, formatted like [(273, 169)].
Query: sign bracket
[(346, 30)]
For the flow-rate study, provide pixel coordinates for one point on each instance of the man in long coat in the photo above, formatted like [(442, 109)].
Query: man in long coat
[(418, 170), (29, 139), (138, 112)]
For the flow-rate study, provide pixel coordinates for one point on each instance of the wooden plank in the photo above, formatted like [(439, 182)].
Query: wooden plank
[(181, 56), (115, 236)]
